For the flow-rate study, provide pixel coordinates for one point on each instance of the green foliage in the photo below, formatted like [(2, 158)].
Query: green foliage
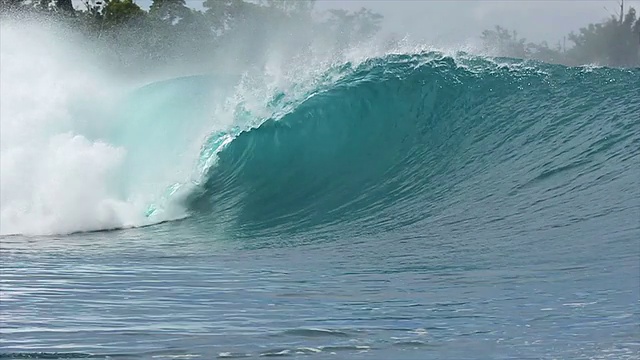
[(11, 5), (118, 12), (292, 8), (614, 42), (169, 11), (222, 13), (504, 41), (544, 53), (65, 5)]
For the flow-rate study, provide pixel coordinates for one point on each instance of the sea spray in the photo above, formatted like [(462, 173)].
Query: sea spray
[(86, 148), (371, 129)]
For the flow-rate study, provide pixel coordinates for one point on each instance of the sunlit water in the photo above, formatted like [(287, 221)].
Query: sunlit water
[(567, 293)]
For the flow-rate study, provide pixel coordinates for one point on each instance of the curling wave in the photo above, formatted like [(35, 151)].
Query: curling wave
[(426, 138)]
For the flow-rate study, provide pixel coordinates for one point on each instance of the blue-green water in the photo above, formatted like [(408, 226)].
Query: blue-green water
[(408, 207)]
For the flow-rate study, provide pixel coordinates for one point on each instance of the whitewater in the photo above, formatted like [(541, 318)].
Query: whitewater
[(403, 203)]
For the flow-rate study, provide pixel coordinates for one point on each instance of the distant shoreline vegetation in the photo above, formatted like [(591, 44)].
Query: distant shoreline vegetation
[(613, 42), (171, 32)]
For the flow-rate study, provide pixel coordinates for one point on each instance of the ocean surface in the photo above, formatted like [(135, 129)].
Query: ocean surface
[(406, 206)]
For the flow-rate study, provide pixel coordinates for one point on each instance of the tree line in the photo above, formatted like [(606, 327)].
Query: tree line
[(613, 42), (171, 31)]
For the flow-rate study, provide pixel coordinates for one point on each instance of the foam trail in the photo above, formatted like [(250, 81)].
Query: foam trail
[(49, 174), (67, 164)]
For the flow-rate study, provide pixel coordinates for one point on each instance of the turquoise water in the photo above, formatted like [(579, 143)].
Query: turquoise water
[(408, 207)]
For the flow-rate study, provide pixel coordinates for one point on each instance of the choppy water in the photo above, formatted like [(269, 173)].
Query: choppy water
[(411, 206)]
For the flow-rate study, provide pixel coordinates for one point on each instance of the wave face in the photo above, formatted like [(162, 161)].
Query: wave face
[(381, 144), (407, 141)]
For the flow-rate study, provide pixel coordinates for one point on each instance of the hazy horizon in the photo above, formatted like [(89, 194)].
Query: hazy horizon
[(441, 21), (456, 21)]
